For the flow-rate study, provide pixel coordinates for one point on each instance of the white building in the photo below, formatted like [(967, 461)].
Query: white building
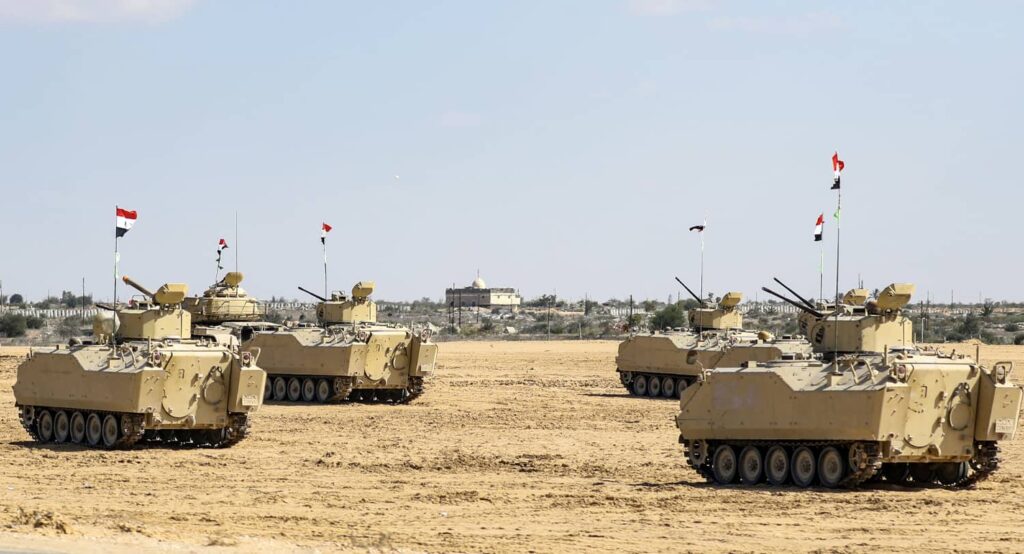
[(479, 295)]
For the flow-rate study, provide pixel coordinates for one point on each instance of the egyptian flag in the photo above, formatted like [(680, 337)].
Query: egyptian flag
[(837, 169), (698, 228), (124, 221), (323, 233), (221, 247), (818, 226)]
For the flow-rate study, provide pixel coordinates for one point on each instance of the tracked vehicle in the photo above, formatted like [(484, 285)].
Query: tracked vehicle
[(143, 378), (904, 415), (347, 356), (664, 364)]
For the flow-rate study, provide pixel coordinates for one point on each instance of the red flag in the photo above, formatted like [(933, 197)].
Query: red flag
[(123, 221), (818, 227), (837, 168), (222, 244), (323, 233)]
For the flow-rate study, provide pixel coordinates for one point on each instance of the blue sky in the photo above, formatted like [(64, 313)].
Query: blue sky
[(557, 146)]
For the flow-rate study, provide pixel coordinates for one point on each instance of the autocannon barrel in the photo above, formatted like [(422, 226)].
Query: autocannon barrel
[(794, 293), (695, 297), (811, 311), (313, 294), (128, 280)]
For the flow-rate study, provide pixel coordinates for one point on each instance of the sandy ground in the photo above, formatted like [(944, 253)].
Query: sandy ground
[(516, 446)]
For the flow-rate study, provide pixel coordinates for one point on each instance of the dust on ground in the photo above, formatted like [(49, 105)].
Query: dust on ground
[(516, 446)]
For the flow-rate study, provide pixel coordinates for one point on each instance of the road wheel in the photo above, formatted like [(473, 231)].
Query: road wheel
[(831, 467), (751, 465), (951, 473), (680, 387), (776, 467), (803, 467), (922, 473), (654, 386), (268, 389), (640, 385), (308, 390), (44, 425), (111, 431), (61, 427), (280, 389), (323, 390), (668, 387), (93, 429), (77, 428), (896, 473), (294, 389), (723, 465)]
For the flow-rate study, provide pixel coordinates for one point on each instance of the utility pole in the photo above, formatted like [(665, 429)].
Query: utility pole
[(549, 318)]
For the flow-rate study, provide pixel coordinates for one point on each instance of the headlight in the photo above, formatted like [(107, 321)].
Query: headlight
[(247, 358), (901, 372), (1000, 373), (157, 357)]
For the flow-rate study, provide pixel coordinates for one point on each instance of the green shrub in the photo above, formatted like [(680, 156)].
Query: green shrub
[(1019, 339), (669, 317), (13, 325), (34, 322)]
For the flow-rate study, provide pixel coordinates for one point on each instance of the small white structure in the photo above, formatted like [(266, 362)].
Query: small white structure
[(479, 295)]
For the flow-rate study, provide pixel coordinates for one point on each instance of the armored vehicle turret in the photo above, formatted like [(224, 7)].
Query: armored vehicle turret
[(341, 308), (857, 325), (143, 378), (913, 417), (664, 364), (348, 356), (225, 301)]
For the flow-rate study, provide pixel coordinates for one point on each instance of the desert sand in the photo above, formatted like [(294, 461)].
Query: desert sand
[(516, 446)]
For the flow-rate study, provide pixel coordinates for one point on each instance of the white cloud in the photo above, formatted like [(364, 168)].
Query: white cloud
[(661, 8), (788, 25), (91, 11)]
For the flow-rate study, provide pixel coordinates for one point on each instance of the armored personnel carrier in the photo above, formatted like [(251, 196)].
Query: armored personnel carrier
[(664, 364), (348, 355), (142, 379), (908, 415)]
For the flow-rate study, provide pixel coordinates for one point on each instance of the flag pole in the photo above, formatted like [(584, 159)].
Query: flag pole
[(325, 265), (115, 254), (821, 271), (839, 216), (701, 233)]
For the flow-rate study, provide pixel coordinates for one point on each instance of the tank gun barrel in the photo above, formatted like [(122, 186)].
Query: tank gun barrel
[(793, 292), (313, 294), (811, 311), (105, 306), (128, 280), (695, 297)]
